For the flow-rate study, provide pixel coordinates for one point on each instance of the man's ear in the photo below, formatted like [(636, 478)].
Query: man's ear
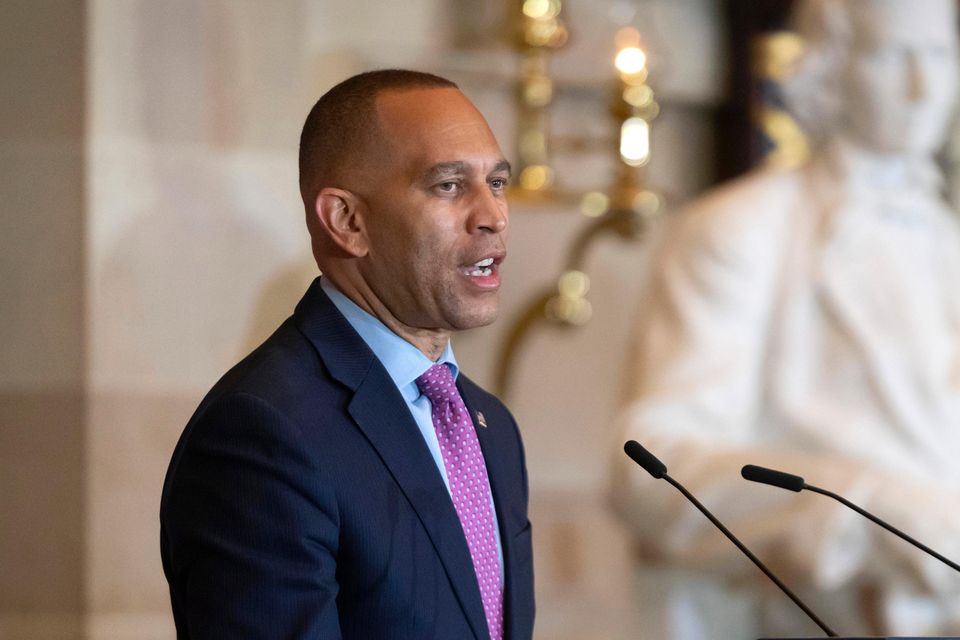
[(337, 214)]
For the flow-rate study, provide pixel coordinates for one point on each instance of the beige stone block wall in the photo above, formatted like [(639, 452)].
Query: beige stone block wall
[(41, 319)]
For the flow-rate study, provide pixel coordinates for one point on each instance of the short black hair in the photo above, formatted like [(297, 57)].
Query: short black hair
[(344, 120)]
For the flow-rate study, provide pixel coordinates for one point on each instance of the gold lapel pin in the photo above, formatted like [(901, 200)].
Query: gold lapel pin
[(481, 420)]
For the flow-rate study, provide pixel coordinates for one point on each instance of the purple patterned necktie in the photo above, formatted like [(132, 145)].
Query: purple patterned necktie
[(469, 486)]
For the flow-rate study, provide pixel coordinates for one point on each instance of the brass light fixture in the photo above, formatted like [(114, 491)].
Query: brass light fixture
[(624, 210), (541, 32)]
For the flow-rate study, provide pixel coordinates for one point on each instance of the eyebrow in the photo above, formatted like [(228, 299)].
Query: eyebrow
[(503, 165), (443, 169)]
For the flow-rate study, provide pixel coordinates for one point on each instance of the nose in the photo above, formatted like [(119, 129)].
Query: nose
[(917, 83), (489, 212)]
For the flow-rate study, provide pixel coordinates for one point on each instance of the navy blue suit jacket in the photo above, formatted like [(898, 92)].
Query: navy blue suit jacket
[(302, 502)]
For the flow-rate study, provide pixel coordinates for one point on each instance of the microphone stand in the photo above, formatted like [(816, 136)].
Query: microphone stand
[(889, 527), (797, 601)]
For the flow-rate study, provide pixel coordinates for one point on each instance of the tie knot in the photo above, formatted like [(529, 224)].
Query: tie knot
[(437, 384)]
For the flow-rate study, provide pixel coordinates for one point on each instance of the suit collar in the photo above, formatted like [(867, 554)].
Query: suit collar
[(490, 443), (495, 437), (343, 351), (402, 360), (382, 415)]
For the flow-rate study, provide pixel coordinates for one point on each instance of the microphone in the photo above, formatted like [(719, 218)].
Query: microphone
[(658, 470), (796, 483), (650, 463), (775, 478)]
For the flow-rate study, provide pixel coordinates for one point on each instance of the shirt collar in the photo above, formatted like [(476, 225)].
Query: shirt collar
[(403, 361)]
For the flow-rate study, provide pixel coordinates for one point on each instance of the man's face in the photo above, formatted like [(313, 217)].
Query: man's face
[(436, 213), (901, 77)]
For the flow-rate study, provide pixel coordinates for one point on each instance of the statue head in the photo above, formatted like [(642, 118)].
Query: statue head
[(880, 73)]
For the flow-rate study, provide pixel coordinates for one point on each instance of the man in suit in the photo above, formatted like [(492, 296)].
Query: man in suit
[(344, 480)]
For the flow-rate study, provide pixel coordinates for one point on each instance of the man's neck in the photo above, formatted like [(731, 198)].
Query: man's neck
[(431, 342)]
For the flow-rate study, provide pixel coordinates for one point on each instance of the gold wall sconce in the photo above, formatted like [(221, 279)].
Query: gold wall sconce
[(541, 32), (624, 210)]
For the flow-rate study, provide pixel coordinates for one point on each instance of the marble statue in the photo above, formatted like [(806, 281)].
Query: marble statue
[(809, 320)]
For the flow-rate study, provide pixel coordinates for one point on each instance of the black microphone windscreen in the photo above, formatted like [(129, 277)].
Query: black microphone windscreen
[(645, 459), (776, 478)]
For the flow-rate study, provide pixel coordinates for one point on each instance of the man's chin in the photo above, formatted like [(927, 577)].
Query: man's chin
[(475, 319)]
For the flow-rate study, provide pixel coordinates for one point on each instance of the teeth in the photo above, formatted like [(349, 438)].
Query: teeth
[(486, 262), (481, 272)]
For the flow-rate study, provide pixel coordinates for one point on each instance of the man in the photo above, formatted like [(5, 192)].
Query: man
[(343, 481), (808, 320)]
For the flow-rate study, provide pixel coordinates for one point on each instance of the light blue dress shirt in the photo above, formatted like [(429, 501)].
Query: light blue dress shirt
[(405, 363)]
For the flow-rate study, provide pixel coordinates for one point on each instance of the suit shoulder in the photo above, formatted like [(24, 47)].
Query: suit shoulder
[(285, 362), (285, 373)]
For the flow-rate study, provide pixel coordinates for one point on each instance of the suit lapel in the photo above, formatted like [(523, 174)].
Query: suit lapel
[(383, 416), (491, 436)]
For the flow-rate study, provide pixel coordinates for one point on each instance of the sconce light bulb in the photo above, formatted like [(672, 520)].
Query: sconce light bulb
[(626, 37), (594, 204), (635, 141), (574, 284), (540, 9), (630, 60), (536, 178)]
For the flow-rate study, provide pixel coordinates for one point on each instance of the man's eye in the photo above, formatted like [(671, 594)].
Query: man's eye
[(499, 183), (448, 187)]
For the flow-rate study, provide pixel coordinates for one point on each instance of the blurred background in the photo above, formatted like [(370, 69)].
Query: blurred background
[(152, 234)]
